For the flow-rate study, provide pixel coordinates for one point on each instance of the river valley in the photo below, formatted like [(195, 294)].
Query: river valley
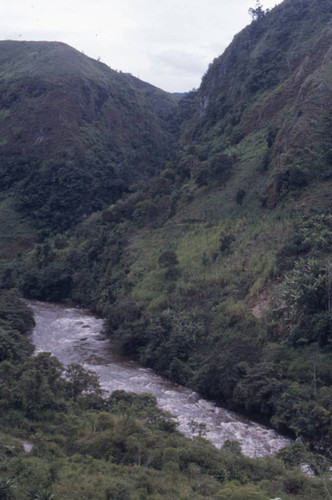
[(75, 336)]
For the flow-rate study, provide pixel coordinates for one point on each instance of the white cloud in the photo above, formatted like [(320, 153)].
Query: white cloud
[(179, 61)]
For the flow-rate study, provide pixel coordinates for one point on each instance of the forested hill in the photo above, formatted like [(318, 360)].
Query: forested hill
[(215, 271), (75, 133), (272, 86)]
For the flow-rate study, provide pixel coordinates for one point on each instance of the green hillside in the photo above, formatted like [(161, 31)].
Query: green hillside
[(272, 87), (74, 133), (216, 270)]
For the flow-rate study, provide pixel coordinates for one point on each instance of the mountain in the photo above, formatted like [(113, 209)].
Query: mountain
[(272, 85), (74, 133), (216, 270)]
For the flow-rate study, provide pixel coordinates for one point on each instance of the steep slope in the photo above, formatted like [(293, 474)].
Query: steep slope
[(274, 84), (74, 130), (217, 271)]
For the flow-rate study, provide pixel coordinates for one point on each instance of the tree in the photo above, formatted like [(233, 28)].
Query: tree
[(198, 428), (258, 12), (306, 301), (39, 386), (304, 290), (6, 488), (81, 381), (168, 260), (40, 494)]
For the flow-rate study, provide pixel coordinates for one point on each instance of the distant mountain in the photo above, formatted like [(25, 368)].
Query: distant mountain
[(69, 120)]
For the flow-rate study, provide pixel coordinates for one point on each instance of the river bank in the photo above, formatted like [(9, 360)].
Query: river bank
[(75, 336)]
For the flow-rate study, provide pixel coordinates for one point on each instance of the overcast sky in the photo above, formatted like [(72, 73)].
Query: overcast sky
[(168, 43)]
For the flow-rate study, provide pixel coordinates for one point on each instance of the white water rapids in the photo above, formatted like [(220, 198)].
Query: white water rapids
[(75, 336)]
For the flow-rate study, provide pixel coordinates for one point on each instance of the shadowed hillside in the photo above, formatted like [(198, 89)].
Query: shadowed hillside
[(74, 133)]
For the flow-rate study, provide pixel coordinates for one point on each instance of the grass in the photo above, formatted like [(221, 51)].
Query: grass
[(233, 257)]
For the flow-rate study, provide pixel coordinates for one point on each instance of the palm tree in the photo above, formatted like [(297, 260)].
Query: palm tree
[(6, 488), (40, 494)]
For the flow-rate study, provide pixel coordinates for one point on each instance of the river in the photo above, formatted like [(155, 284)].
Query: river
[(75, 336)]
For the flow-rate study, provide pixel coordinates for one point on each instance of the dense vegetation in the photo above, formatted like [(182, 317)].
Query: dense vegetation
[(214, 271), (74, 133), (60, 439)]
